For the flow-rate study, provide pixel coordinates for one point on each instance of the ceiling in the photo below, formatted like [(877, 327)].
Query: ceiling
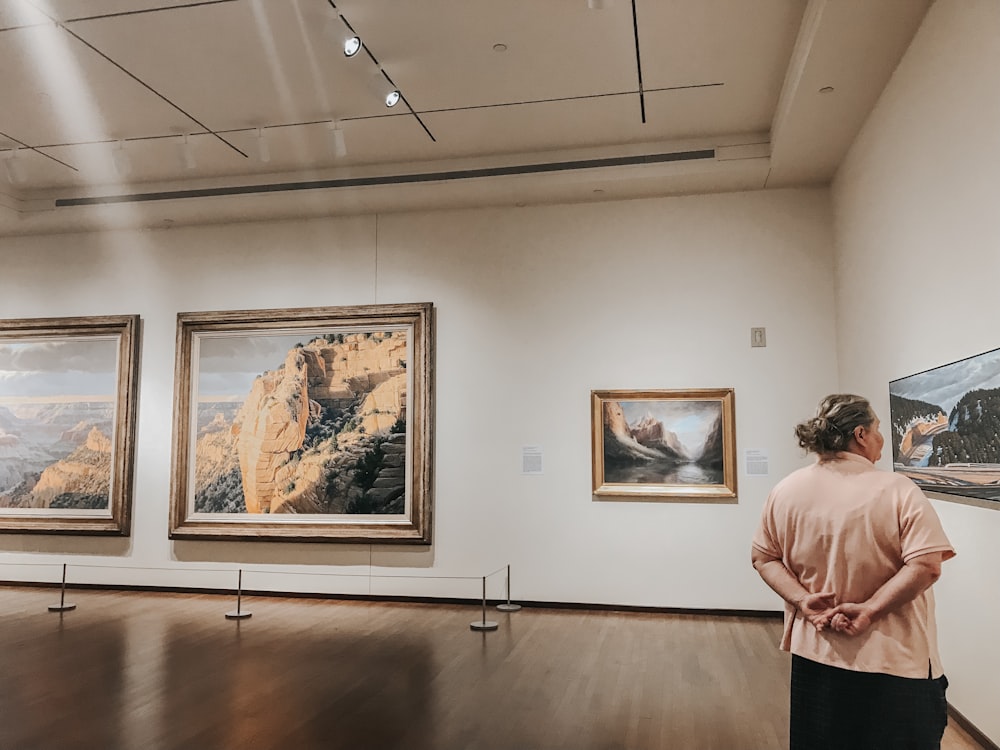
[(163, 112)]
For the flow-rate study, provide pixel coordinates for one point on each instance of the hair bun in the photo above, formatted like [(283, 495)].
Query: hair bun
[(832, 427)]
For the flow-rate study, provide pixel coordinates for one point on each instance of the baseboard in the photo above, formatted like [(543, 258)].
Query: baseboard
[(406, 599), (971, 729)]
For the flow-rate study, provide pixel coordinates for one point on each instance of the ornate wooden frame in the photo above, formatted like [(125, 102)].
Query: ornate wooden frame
[(116, 520), (725, 490), (413, 526)]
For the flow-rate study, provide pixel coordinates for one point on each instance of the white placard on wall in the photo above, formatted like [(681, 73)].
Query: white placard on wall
[(531, 459), (756, 462)]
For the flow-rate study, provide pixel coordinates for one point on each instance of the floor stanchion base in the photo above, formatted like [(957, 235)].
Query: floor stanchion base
[(484, 625), (234, 615), (61, 607), (505, 607)]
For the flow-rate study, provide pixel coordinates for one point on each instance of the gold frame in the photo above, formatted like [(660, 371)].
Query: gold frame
[(118, 520), (723, 492), (415, 529)]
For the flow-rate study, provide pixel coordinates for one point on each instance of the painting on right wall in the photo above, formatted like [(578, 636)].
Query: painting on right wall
[(946, 428)]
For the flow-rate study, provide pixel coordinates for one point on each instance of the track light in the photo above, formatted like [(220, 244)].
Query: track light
[(14, 168), (352, 46), (121, 160), (263, 147), (187, 154), (337, 139), (383, 87)]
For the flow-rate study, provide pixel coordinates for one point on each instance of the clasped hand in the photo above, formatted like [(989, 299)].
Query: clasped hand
[(823, 612)]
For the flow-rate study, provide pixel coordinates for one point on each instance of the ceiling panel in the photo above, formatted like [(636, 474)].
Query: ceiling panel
[(715, 72), (441, 54), (242, 63), (717, 110), (66, 10), (65, 93), (15, 13), (539, 127), (709, 41)]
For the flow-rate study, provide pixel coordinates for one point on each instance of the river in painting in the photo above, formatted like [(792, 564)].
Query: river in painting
[(662, 472)]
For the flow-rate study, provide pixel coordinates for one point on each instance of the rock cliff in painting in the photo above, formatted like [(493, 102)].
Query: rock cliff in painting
[(322, 433), (651, 433), (620, 443), (81, 480), (46, 438), (712, 453)]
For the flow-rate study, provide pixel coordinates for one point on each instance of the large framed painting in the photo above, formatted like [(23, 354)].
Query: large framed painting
[(664, 444), (945, 428), (304, 424), (67, 424)]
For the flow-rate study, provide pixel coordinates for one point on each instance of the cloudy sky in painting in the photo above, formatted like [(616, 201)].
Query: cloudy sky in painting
[(54, 369), (689, 420), (944, 386), (227, 365)]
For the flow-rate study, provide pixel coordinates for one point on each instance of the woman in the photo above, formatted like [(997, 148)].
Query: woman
[(853, 551)]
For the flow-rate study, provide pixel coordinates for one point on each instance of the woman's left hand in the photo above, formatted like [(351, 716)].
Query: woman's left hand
[(818, 608)]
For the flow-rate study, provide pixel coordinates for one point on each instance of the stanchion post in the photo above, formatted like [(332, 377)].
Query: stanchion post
[(238, 613), (62, 606), (508, 607), (484, 624)]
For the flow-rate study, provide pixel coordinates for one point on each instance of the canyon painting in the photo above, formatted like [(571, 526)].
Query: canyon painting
[(664, 444), (304, 424), (66, 419), (945, 428)]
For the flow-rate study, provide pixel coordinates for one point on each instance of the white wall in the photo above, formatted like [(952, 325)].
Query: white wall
[(918, 264), (535, 308)]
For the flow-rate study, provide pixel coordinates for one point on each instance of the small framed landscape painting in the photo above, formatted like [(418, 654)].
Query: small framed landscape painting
[(304, 424), (663, 444), (67, 424), (946, 429)]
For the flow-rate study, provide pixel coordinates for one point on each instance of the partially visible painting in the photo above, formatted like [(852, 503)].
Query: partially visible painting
[(304, 424), (67, 424), (946, 428), (664, 444)]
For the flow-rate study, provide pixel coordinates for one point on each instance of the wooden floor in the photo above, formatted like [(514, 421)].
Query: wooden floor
[(137, 670)]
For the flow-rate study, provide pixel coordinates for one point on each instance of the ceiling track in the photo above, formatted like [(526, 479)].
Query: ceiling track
[(399, 179), (638, 63)]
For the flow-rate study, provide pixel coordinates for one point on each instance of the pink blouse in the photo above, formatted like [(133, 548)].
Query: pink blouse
[(841, 525)]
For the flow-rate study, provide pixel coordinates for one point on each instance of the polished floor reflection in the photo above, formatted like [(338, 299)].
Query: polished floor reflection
[(162, 671)]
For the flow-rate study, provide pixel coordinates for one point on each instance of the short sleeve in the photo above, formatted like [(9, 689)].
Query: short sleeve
[(765, 538), (920, 530)]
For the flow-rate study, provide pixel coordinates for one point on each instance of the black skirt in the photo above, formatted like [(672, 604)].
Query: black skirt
[(838, 709)]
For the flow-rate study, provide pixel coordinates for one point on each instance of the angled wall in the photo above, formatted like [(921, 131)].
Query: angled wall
[(917, 272)]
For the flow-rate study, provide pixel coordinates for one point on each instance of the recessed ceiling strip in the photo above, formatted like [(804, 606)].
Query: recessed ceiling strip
[(402, 179)]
